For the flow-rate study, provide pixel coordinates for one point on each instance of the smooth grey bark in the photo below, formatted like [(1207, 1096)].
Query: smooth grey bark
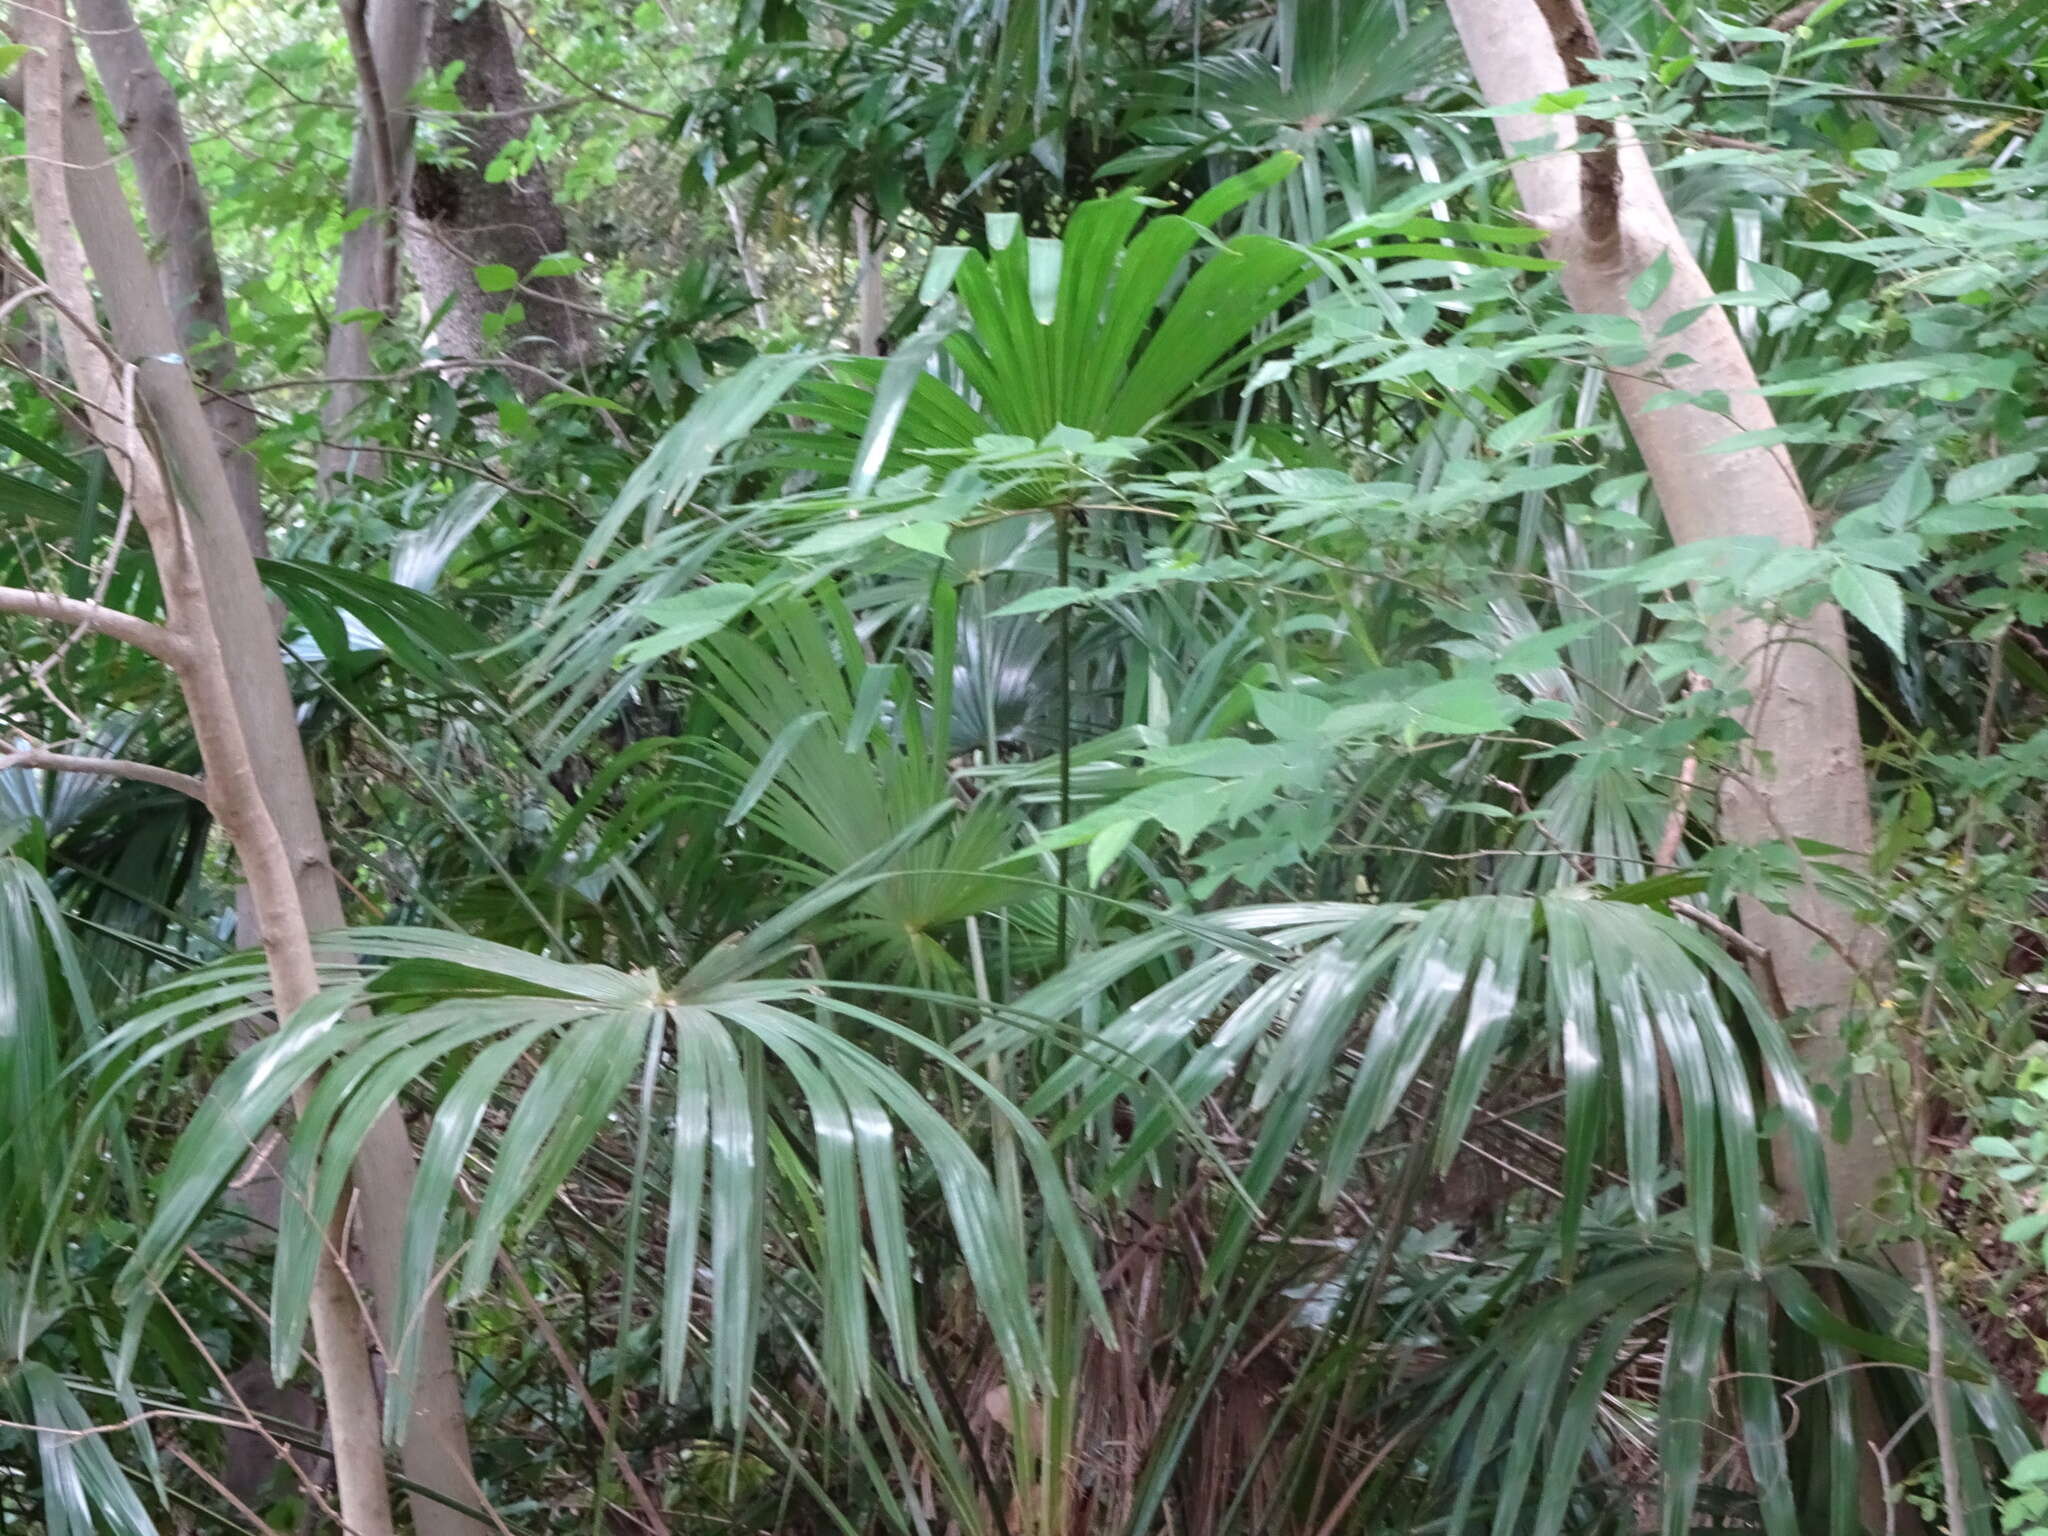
[(70, 231), (221, 640), (181, 228), (388, 39), (1606, 218), (458, 221)]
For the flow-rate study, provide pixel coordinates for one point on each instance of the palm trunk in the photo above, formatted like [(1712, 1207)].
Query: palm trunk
[(1607, 221)]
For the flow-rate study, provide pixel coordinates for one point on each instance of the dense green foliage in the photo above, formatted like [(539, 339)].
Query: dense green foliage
[(1109, 922)]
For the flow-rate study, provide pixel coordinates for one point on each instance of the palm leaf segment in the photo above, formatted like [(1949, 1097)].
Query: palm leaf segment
[(1278, 994), (1533, 1421), (837, 757), (1526, 1429), (698, 1060), (46, 1012)]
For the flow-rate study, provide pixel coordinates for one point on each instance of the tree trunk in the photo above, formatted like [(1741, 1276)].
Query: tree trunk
[(750, 273), (459, 221), (244, 719), (147, 110), (1607, 221), (389, 41), (870, 317), (55, 96)]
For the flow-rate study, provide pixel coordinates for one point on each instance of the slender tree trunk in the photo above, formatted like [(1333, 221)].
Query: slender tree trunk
[(459, 221), (1608, 222), (54, 94), (147, 110), (750, 273), (870, 317), (244, 718), (388, 39)]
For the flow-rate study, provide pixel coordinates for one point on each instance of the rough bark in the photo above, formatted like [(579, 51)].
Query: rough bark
[(228, 664), (389, 41), (147, 110), (458, 221), (1607, 220)]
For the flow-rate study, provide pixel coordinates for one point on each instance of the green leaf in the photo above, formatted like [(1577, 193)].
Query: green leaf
[(1464, 706), (1993, 477), (928, 538), (1651, 282), (2030, 1468), (938, 273), (1876, 602), (494, 277), (1722, 73), (688, 618)]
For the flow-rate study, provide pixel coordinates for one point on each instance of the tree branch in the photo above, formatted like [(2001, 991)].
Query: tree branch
[(95, 618), (111, 767)]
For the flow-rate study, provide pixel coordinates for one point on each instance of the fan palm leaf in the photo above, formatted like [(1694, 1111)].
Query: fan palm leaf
[(1280, 994), (703, 1045)]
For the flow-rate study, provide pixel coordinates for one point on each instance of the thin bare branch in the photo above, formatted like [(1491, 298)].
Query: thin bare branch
[(110, 767), (95, 618)]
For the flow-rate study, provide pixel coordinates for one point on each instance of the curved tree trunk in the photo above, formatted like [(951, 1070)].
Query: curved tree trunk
[(243, 715), (459, 221), (70, 230), (1607, 221)]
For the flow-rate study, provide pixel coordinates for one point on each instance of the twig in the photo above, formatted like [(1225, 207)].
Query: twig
[(252, 1421), (531, 37), (553, 1340), (122, 520), (440, 365), (226, 1494), (1736, 940), (1941, 1409)]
